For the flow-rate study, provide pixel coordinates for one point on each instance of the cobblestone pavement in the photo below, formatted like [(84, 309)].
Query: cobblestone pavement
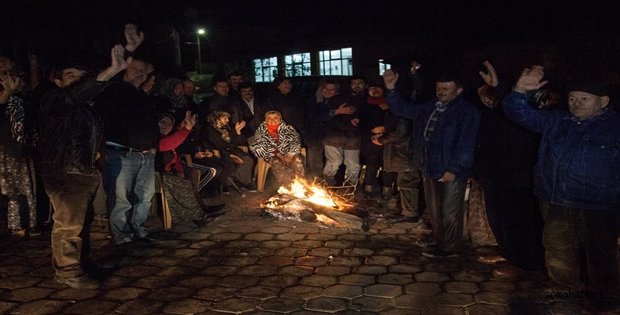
[(246, 263)]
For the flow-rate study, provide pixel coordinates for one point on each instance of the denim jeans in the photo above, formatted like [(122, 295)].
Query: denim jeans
[(445, 202), (129, 179), (72, 196), (334, 156)]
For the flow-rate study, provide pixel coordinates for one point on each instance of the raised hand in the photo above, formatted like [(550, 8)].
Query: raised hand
[(530, 79), (490, 76), (133, 37), (355, 121), (390, 78), (117, 64), (239, 125), (344, 109), (190, 121), (9, 82)]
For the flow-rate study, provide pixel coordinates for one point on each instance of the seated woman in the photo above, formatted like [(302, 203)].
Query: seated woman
[(279, 144), (221, 137)]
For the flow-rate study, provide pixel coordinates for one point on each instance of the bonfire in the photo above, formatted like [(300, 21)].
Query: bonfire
[(312, 202)]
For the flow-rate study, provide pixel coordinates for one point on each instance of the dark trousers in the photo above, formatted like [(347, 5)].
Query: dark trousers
[(569, 232), (72, 196), (517, 225), (444, 200), (315, 157), (408, 189)]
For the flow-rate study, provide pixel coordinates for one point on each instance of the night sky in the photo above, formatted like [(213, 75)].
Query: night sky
[(238, 29)]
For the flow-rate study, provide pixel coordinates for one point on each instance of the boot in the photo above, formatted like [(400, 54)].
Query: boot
[(368, 189), (386, 192)]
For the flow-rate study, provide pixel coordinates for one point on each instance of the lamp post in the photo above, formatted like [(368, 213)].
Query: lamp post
[(200, 31)]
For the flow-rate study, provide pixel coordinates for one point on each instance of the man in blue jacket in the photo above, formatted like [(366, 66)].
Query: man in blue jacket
[(443, 137), (577, 179)]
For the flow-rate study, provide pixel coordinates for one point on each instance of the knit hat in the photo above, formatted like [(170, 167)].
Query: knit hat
[(592, 87)]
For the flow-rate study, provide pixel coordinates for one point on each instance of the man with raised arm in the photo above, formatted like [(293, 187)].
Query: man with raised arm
[(577, 179), (443, 136), (71, 132)]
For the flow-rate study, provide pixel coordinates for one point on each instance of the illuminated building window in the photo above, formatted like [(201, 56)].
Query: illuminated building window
[(297, 65), (266, 69), (336, 62), (383, 66)]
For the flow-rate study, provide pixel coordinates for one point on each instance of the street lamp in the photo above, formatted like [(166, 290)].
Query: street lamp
[(200, 31)]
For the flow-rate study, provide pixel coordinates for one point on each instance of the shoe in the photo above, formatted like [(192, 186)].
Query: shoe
[(213, 209), (34, 232), (439, 253), (251, 187), (82, 282), (19, 232), (368, 189), (386, 192), (491, 259), (425, 244), (506, 272)]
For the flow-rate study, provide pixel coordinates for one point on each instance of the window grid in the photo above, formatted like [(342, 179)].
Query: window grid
[(266, 69), (336, 62), (297, 65)]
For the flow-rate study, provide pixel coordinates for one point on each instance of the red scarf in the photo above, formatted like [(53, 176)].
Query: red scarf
[(375, 100), (273, 130)]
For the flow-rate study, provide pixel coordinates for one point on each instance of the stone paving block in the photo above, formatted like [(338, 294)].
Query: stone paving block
[(454, 299), (339, 244), (395, 278), (381, 260), (468, 276), (170, 293), (383, 290), (485, 309), (290, 237), (393, 231), (280, 281), (305, 230), (90, 307), (234, 305), (41, 307), (162, 261), (203, 244), (325, 252), (238, 281), (308, 244), (333, 270), (359, 251), (275, 230), (198, 282), (74, 294), (357, 279), (326, 304), (423, 288), (411, 301), (114, 282), (403, 268), (34, 252), (461, 287), (17, 282), (407, 238), (177, 271), (498, 286), (279, 261), (372, 304), (153, 282), (401, 311), (494, 297), (346, 261), (42, 271), (26, 294), (281, 305), (411, 259), (14, 270), (390, 252), (239, 261), (313, 261), (371, 270), (343, 291), (442, 267), (258, 270), (6, 306), (173, 244), (247, 229), (259, 251), (187, 306), (477, 267), (194, 236), (215, 293), (259, 237), (241, 244), (382, 238), (225, 236), (149, 252), (334, 231), (299, 271), (275, 244), (353, 237), (291, 252), (220, 270), (137, 271), (201, 262), (432, 277), (187, 252), (124, 294), (301, 292), (447, 310), (9, 258), (319, 281), (259, 292), (321, 237)]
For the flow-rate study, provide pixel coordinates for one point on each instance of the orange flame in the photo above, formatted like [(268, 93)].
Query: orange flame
[(312, 193)]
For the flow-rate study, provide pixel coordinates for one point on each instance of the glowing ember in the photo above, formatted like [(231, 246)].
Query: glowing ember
[(300, 188)]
